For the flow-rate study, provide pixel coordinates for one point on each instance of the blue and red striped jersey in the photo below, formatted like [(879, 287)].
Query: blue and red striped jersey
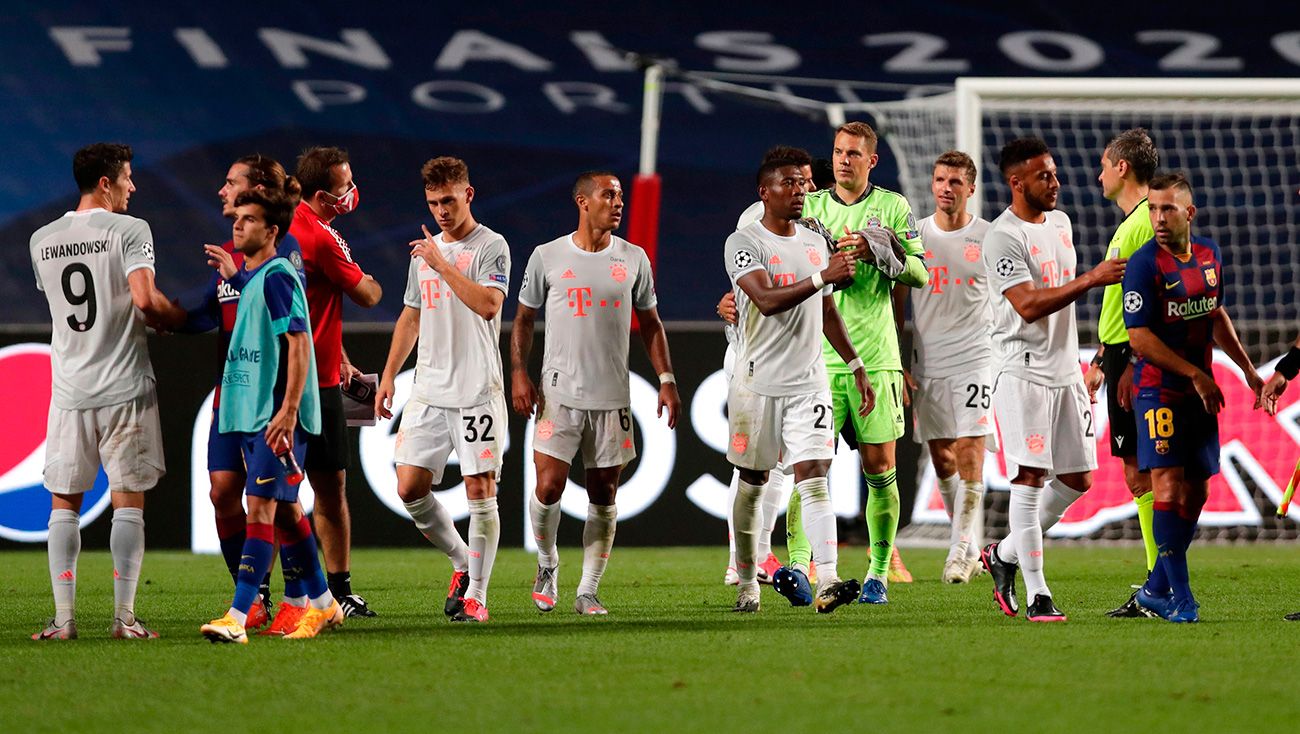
[(1174, 297)]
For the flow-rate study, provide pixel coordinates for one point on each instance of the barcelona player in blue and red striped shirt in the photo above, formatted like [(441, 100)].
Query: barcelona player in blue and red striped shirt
[(1173, 309)]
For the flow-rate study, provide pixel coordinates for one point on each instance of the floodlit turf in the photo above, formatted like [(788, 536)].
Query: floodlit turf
[(670, 657)]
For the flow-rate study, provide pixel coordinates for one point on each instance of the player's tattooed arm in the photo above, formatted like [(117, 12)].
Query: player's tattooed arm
[(523, 393), (838, 335), (656, 346), (1155, 351), (1225, 335), (405, 334)]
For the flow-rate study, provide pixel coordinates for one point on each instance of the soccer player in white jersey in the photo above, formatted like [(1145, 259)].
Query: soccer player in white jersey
[(1039, 397), (952, 358), (778, 402), (95, 266), (772, 491), (455, 286), (589, 282)]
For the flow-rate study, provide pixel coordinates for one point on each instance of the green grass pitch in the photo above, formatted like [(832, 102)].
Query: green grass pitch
[(670, 657)]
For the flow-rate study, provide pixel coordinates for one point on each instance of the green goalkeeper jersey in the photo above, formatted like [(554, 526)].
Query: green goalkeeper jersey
[(1131, 234), (866, 306)]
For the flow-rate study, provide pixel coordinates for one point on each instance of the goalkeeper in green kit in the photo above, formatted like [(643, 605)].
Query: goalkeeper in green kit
[(877, 224)]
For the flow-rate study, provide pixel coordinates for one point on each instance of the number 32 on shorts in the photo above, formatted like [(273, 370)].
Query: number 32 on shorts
[(1160, 422), (478, 429)]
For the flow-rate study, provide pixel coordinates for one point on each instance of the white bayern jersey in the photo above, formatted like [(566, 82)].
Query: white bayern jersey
[(588, 298), (752, 213), (1045, 352), (458, 364), (951, 316), (778, 355), (82, 260)]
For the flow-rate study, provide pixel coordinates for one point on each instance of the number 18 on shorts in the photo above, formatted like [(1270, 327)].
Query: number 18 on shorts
[(1176, 434)]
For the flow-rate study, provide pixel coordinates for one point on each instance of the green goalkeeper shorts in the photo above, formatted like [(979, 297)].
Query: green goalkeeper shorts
[(885, 422)]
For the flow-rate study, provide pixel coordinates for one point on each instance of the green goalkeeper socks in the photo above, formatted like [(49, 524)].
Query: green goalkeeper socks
[(1146, 518), (882, 520), (797, 547)]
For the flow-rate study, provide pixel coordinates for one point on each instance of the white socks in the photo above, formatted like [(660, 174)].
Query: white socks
[(484, 535), (965, 504), (545, 520), (973, 492), (326, 600), (1033, 512), (819, 526), (731, 511), (126, 542), (435, 523), (1026, 536), (64, 547), (948, 490), (597, 539), (771, 509), (1057, 498), (746, 518)]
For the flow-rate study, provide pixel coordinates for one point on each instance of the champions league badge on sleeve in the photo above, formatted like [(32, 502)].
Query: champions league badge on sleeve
[(25, 389)]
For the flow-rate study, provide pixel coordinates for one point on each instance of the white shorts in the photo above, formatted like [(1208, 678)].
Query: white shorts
[(428, 434), (605, 436), (768, 430), (953, 407), (1045, 427), (125, 438)]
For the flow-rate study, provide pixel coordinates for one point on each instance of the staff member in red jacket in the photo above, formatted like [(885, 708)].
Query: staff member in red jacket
[(328, 191)]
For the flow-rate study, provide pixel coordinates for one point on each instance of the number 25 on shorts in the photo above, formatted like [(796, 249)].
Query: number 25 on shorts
[(1160, 422)]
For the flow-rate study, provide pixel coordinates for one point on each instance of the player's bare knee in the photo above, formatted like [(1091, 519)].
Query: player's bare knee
[(753, 476), (1078, 481), (877, 458), (602, 485), (944, 457), (127, 499), (480, 486), (261, 510), (1030, 477), (66, 501), (1138, 482), (286, 515), (813, 469), (327, 484), (227, 497)]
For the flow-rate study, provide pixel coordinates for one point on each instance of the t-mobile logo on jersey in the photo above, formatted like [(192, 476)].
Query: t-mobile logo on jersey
[(939, 279), (1051, 273), (581, 302), (431, 292)]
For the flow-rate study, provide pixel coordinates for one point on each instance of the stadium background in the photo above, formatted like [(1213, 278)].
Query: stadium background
[(528, 96)]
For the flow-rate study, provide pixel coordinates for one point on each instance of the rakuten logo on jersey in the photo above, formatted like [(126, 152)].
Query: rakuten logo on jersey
[(226, 292), (1255, 448), (1192, 308)]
